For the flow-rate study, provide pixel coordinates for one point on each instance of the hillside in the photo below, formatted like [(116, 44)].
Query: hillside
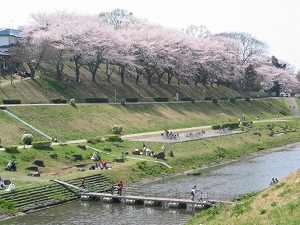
[(45, 87), (86, 121)]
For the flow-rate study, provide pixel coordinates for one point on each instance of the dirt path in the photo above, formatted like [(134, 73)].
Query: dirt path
[(293, 106)]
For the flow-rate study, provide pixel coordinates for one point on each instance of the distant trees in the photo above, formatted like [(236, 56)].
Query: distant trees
[(117, 39)]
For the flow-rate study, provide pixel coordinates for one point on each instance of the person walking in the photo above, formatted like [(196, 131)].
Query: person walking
[(82, 182), (112, 188), (193, 193)]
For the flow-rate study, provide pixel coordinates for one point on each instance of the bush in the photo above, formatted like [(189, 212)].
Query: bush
[(72, 102), (238, 97), (215, 100), (187, 99), (161, 99), (11, 101), (232, 100), (117, 129), (192, 100), (132, 99), (247, 99), (96, 100), (41, 144), (27, 139), (11, 149), (122, 101), (96, 139), (245, 123)]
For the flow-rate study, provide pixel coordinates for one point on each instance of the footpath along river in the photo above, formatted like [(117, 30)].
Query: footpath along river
[(219, 182)]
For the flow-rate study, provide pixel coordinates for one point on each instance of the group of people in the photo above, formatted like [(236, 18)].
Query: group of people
[(11, 166), (193, 194), (169, 135), (147, 151), (11, 186), (119, 187), (273, 181)]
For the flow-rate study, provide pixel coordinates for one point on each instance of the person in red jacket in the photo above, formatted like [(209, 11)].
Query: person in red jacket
[(82, 182), (120, 187)]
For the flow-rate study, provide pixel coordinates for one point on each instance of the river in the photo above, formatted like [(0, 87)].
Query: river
[(220, 182)]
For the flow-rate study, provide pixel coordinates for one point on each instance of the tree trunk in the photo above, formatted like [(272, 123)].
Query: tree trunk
[(170, 76), (108, 74), (77, 67), (122, 73), (59, 69)]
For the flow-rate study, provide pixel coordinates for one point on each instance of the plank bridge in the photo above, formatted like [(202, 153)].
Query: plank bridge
[(150, 201)]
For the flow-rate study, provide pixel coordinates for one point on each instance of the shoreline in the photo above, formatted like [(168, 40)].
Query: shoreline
[(223, 162)]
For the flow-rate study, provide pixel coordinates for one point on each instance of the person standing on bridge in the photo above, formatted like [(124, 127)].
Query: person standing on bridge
[(193, 193), (120, 187), (112, 188)]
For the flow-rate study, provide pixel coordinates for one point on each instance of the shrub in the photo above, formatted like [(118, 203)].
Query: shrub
[(192, 100), (247, 99), (161, 99), (273, 204), (96, 139), (187, 99), (27, 139), (132, 99), (215, 100), (207, 98), (96, 100), (238, 97), (245, 123), (122, 101), (117, 129), (3, 107), (72, 102), (232, 100), (41, 144), (11, 101), (11, 149)]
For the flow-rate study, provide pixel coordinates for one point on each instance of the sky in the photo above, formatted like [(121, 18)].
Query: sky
[(275, 22)]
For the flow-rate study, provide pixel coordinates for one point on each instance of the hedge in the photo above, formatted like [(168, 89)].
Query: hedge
[(41, 144), (223, 98), (58, 100), (11, 149), (96, 100), (188, 99), (161, 99), (11, 101), (207, 98), (132, 99), (247, 99)]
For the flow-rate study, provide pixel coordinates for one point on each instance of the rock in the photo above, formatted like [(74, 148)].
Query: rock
[(77, 157), (119, 160), (160, 155), (170, 153), (38, 162), (34, 174), (33, 168), (53, 156), (81, 146), (136, 152), (7, 182)]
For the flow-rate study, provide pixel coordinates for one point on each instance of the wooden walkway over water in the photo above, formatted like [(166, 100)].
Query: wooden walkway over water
[(150, 201)]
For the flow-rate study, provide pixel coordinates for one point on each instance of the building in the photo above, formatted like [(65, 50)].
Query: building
[(8, 39)]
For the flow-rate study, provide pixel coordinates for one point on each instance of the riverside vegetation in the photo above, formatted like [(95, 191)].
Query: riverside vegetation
[(94, 121)]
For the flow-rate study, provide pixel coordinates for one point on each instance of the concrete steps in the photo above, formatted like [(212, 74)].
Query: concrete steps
[(53, 193)]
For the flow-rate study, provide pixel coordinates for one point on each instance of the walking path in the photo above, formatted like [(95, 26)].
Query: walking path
[(293, 106)]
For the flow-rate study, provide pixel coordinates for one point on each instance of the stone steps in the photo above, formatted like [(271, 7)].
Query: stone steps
[(54, 193)]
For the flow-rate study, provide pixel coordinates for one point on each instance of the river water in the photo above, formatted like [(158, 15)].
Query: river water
[(220, 182)]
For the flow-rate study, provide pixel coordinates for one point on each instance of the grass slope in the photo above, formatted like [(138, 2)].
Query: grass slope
[(86, 121)]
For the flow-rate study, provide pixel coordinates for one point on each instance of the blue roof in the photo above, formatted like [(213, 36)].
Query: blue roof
[(10, 32)]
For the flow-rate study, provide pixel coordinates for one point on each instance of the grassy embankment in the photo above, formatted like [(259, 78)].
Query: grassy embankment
[(278, 204)]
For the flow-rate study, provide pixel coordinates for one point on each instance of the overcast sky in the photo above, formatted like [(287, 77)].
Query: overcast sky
[(275, 22)]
